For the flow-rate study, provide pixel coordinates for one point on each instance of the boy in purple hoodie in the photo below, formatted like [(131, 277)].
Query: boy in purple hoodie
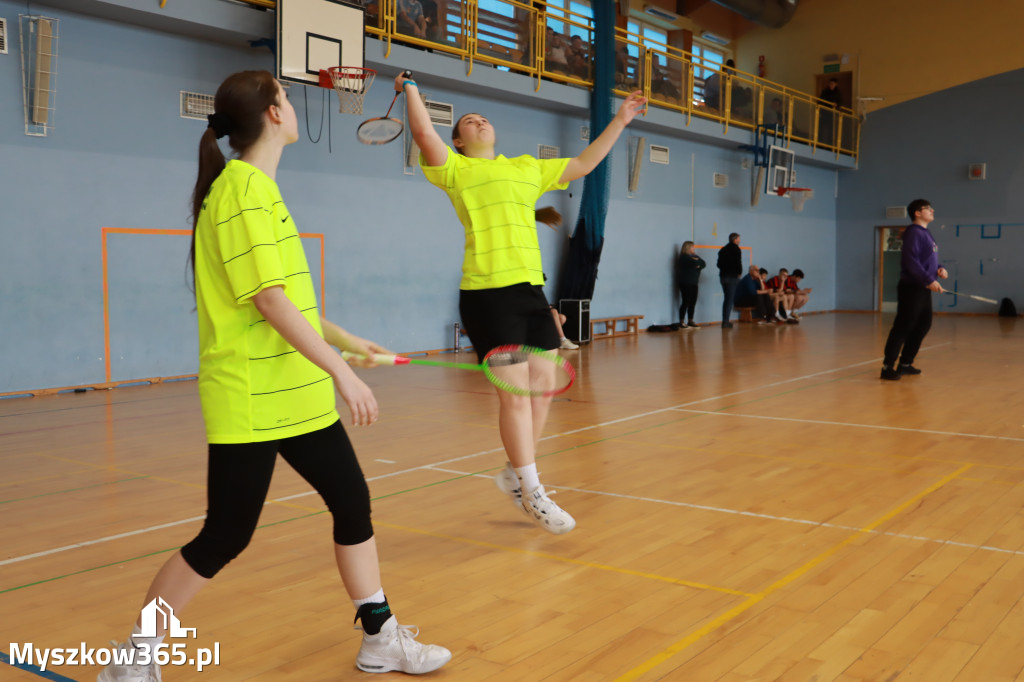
[(920, 273)]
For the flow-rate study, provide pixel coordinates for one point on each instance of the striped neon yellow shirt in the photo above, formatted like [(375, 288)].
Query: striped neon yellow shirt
[(253, 385), (495, 201)]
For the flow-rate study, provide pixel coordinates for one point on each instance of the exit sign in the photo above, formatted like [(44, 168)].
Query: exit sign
[(832, 68)]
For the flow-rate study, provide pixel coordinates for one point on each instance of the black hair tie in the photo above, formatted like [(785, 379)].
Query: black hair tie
[(220, 123)]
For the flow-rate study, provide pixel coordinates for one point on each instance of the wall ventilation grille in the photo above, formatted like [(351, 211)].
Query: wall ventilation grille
[(440, 113), (659, 154), (195, 105), (548, 151)]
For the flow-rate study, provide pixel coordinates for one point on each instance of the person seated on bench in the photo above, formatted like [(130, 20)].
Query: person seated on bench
[(800, 296), (564, 343), (782, 300), (556, 52), (410, 19), (752, 293), (549, 215)]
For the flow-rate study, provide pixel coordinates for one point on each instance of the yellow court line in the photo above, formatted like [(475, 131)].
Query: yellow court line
[(566, 560), (732, 613)]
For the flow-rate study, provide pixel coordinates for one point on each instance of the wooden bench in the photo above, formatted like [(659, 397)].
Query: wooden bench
[(610, 326), (746, 313)]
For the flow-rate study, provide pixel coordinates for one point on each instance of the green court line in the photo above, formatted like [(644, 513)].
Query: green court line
[(86, 570), (72, 490)]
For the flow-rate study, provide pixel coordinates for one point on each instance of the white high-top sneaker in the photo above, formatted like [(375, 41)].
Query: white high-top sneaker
[(395, 648)]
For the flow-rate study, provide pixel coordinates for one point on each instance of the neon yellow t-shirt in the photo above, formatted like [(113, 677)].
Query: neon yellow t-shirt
[(495, 200), (253, 385)]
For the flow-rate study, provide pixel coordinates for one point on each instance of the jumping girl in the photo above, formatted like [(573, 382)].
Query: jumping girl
[(501, 299)]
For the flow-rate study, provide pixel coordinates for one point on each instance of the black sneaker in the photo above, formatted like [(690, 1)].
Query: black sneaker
[(908, 369), (889, 373)]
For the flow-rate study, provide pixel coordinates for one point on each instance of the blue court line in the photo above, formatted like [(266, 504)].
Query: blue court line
[(35, 670)]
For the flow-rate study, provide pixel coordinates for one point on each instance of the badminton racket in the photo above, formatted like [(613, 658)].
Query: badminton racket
[(976, 298), (520, 370), (382, 129)]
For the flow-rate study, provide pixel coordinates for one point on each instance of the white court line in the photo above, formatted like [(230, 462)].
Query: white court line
[(97, 541), (768, 517), (57, 550), (853, 425)]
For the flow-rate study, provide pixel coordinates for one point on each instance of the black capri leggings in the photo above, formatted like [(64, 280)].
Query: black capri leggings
[(238, 478)]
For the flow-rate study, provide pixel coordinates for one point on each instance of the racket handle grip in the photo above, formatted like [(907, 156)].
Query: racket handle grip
[(378, 358)]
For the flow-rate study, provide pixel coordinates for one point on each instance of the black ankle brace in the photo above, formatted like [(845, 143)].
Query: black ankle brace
[(373, 616)]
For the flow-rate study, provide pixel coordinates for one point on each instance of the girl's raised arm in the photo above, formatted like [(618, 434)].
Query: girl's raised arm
[(599, 148), (434, 150)]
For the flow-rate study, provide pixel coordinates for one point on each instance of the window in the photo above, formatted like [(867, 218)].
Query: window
[(578, 12), (706, 60), (497, 7), (650, 37), (709, 57)]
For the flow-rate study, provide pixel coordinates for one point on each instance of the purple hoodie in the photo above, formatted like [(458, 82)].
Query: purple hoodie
[(919, 259)]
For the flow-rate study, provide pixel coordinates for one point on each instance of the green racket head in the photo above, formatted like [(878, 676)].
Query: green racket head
[(528, 371)]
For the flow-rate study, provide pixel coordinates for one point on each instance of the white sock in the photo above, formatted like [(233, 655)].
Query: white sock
[(375, 598), (153, 642), (528, 479)]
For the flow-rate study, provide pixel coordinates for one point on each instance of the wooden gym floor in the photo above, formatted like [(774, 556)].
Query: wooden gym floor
[(752, 505)]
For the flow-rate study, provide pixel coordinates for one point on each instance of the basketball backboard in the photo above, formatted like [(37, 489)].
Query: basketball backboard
[(317, 34), (780, 169)]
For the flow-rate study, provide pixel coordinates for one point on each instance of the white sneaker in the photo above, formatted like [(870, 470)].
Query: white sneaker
[(395, 648), (128, 673), (508, 482), (568, 345), (546, 514)]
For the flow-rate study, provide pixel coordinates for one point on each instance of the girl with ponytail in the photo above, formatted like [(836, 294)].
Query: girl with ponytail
[(267, 382)]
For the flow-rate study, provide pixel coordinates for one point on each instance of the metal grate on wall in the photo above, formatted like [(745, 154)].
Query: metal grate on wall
[(195, 105), (548, 151)]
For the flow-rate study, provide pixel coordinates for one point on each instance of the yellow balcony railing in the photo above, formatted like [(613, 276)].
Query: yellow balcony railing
[(554, 43)]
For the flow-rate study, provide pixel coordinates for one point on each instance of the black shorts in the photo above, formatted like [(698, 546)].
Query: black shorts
[(518, 314)]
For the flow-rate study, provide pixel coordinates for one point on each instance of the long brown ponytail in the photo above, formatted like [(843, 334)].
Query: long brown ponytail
[(239, 105)]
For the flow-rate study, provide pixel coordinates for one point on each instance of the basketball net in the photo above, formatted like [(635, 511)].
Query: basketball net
[(351, 83), (798, 195)]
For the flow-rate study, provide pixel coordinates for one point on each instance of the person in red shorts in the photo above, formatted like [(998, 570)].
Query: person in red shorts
[(800, 295)]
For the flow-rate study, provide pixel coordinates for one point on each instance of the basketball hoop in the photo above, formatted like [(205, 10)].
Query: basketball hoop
[(798, 195), (351, 83)]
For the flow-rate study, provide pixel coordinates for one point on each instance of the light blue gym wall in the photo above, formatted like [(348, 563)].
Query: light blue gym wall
[(120, 156), (922, 148)]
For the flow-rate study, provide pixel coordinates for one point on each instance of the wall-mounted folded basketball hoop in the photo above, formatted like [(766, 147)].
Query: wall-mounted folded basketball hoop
[(38, 71)]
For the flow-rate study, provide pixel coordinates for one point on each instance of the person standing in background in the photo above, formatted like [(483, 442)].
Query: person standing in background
[(730, 269), (827, 119), (920, 273), (688, 268)]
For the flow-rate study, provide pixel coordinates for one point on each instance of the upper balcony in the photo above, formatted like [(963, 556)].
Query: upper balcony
[(552, 43)]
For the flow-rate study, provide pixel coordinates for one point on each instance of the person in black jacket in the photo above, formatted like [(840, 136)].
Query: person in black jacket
[(688, 268), (730, 268), (826, 118)]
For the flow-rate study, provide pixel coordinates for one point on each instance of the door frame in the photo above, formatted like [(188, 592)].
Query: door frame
[(880, 260)]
